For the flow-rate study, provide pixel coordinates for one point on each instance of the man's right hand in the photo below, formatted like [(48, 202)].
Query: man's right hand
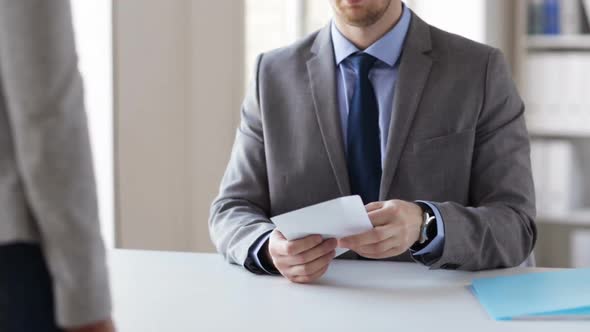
[(301, 261)]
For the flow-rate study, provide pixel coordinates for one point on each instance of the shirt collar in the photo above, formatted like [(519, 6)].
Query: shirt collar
[(387, 49)]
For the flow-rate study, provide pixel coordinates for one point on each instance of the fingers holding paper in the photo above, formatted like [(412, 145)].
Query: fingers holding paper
[(304, 260), (396, 228)]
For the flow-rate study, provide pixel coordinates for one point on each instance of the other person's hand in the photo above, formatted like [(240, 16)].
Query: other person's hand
[(396, 227), (104, 326), (301, 261)]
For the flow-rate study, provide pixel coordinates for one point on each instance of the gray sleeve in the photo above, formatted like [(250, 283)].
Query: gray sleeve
[(497, 229), (239, 214), (44, 95)]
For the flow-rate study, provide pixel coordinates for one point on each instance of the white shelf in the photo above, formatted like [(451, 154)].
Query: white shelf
[(579, 133), (559, 42), (556, 130), (574, 218)]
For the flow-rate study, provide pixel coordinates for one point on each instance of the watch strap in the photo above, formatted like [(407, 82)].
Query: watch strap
[(427, 228)]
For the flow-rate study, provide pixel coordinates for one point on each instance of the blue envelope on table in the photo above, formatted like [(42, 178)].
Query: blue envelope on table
[(563, 294)]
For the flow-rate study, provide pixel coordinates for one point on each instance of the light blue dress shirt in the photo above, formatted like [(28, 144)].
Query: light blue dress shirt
[(383, 77)]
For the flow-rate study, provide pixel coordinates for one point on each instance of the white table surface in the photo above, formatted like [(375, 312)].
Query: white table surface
[(177, 292)]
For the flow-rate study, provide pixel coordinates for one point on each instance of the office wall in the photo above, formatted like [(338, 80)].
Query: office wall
[(499, 16), (463, 17), (178, 87), (93, 30), (485, 21)]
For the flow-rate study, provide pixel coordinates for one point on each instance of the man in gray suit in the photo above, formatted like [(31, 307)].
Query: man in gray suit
[(52, 260), (427, 127)]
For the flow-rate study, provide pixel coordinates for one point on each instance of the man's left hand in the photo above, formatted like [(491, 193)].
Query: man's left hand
[(396, 227)]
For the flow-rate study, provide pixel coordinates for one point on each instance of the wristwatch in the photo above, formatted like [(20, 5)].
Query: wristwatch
[(427, 229)]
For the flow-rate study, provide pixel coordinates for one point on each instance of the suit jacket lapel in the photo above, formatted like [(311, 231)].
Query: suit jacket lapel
[(414, 70), (321, 68)]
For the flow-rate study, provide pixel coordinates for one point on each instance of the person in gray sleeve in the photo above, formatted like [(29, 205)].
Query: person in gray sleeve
[(53, 274), (425, 126)]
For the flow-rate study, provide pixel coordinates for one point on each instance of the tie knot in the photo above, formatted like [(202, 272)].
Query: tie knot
[(362, 63)]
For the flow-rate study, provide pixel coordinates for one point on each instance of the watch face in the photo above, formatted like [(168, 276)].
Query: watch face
[(431, 230)]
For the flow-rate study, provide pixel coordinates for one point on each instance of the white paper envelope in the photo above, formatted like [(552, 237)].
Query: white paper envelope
[(337, 218)]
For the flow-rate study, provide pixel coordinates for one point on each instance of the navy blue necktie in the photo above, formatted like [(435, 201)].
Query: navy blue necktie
[(363, 144)]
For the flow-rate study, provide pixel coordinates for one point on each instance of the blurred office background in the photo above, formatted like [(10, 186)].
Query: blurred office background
[(165, 80)]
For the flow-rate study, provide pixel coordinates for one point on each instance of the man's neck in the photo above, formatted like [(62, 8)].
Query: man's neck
[(363, 37)]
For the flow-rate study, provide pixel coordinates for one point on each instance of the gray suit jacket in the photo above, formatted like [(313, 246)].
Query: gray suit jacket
[(47, 191), (457, 138)]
